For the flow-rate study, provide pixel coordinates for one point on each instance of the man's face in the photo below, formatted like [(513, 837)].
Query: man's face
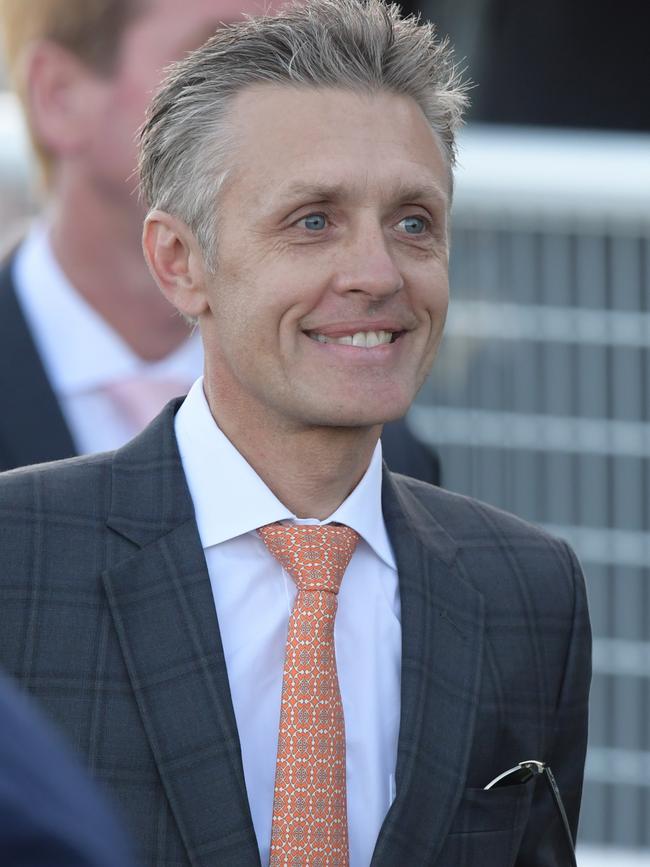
[(163, 33), (332, 230)]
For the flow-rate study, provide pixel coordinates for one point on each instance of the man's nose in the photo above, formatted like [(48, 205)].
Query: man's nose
[(366, 265)]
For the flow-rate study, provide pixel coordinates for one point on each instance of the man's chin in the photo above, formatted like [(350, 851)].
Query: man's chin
[(361, 418)]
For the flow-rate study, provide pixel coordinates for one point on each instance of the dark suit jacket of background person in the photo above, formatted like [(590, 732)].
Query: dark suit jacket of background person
[(50, 813), (33, 428), (107, 615)]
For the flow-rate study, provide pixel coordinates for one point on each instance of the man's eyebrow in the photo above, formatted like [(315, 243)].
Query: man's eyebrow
[(428, 195), (314, 192), (422, 191), (324, 192)]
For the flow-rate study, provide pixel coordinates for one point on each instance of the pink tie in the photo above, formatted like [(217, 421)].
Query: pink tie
[(139, 400), (310, 824)]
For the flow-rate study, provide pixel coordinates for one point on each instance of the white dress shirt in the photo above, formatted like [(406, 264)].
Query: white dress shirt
[(80, 351), (254, 597)]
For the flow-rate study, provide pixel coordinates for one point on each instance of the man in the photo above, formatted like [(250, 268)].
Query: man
[(174, 603), (89, 349), (49, 812)]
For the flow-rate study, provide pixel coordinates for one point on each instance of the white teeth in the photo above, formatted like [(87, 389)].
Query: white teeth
[(372, 339), (366, 339)]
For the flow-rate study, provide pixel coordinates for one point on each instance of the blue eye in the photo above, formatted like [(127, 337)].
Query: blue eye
[(314, 222), (413, 225)]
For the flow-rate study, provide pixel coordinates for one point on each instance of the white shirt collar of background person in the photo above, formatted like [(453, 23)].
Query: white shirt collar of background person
[(81, 354), (253, 598)]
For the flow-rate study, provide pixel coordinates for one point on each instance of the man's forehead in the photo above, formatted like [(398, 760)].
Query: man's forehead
[(326, 144)]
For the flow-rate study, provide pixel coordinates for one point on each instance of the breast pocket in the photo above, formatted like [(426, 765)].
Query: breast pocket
[(501, 809), (487, 828)]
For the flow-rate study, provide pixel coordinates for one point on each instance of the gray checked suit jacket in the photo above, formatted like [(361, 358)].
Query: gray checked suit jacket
[(107, 616)]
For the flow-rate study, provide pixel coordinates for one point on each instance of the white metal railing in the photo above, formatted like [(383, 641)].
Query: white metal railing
[(607, 546), (590, 856), (536, 322), (590, 177), (618, 656), (536, 432), (626, 767)]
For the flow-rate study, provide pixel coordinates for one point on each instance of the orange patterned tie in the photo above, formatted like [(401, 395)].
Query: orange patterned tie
[(310, 823)]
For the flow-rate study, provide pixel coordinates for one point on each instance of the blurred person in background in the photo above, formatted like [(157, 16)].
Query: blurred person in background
[(89, 349), (50, 813)]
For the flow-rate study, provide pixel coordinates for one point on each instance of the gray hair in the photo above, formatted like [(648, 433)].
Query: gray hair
[(356, 45)]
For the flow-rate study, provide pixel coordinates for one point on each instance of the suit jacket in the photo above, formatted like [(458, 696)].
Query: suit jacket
[(33, 429), (107, 615), (32, 426), (49, 811)]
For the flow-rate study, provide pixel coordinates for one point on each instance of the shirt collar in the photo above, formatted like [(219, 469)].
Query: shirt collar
[(230, 499), (80, 351)]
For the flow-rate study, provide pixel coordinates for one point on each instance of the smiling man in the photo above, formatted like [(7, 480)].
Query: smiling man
[(270, 647), (323, 313)]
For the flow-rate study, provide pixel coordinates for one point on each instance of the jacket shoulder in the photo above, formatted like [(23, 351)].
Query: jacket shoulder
[(78, 487), (472, 522)]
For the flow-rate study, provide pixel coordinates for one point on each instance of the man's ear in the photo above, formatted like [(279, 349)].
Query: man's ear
[(176, 262), (62, 94)]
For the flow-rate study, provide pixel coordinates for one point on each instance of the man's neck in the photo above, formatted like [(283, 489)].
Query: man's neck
[(310, 470), (313, 473), (98, 248)]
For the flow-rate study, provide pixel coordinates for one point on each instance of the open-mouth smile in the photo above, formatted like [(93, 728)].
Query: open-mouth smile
[(361, 339)]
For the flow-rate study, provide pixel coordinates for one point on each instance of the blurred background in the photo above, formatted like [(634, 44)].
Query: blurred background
[(540, 399)]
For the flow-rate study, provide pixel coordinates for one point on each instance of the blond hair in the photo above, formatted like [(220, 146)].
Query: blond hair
[(89, 29)]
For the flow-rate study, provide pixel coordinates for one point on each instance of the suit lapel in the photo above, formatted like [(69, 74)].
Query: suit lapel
[(442, 641), (164, 614), (32, 429)]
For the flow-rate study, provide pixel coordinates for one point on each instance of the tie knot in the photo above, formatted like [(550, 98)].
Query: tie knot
[(315, 556)]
